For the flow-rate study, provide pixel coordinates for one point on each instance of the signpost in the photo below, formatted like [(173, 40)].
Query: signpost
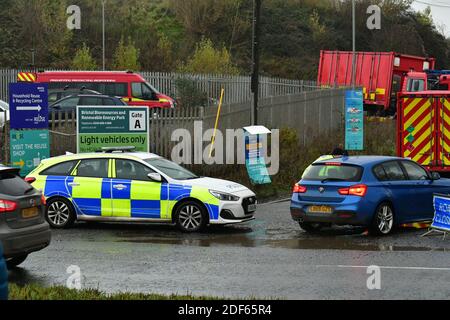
[(29, 148), (28, 110), (354, 120), (99, 127), (254, 154), (28, 105)]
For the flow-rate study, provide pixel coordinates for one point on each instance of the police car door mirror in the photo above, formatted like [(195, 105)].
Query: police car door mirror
[(435, 176), (156, 177)]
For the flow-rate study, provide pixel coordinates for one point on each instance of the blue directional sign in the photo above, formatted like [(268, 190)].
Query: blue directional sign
[(441, 220), (28, 104)]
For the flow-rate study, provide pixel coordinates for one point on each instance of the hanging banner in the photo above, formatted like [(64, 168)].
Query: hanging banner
[(354, 120), (254, 154), (441, 220)]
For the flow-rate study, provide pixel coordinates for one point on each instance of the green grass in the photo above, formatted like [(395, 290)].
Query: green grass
[(37, 292)]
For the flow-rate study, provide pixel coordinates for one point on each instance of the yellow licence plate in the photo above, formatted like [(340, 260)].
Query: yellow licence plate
[(30, 213), (320, 209)]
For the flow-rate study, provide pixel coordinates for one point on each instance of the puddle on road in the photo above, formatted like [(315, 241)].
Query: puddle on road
[(257, 235), (296, 240)]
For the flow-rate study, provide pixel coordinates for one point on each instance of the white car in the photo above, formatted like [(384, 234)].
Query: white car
[(133, 187), (4, 113)]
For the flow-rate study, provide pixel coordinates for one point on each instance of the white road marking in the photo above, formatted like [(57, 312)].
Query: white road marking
[(382, 267), (274, 202)]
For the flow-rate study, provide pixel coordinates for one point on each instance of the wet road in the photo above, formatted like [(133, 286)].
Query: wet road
[(266, 258)]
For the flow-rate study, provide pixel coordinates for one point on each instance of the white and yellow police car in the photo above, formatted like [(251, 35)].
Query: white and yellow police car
[(121, 186)]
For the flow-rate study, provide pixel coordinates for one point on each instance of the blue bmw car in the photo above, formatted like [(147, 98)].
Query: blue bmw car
[(3, 277), (378, 192)]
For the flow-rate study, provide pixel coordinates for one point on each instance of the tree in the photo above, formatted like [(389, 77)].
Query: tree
[(83, 59), (126, 56), (207, 59)]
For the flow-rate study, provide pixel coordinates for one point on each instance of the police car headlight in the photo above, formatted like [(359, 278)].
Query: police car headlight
[(224, 196)]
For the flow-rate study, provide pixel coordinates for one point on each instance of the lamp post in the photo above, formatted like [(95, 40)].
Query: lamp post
[(103, 34), (354, 44), (256, 45)]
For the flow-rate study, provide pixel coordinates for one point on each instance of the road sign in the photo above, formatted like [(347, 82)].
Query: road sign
[(354, 120), (28, 105), (28, 148), (441, 220), (99, 127)]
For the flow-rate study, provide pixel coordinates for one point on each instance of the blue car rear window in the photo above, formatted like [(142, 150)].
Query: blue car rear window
[(341, 172)]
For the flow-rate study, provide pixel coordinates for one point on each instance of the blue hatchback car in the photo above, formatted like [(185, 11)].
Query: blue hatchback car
[(378, 192), (3, 277)]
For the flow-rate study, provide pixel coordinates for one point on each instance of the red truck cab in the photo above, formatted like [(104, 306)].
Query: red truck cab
[(131, 87), (381, 75), (427, 81)]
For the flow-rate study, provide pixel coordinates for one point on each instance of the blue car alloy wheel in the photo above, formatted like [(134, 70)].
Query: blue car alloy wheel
[(3, 277)]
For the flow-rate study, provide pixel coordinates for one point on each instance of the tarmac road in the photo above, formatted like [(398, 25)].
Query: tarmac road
[(266, 258)]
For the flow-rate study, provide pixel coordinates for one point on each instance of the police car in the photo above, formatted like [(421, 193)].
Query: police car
[(118, 185)]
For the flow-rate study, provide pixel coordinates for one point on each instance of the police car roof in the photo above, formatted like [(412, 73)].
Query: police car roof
[(125, 155)]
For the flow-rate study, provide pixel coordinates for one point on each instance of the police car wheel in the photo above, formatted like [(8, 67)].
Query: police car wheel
[(190, 217), (59, 213)]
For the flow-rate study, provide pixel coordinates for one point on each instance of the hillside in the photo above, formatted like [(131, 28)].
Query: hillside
[(164, 34)]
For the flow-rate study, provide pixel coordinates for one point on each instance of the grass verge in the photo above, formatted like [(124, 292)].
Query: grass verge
[(37, 292)]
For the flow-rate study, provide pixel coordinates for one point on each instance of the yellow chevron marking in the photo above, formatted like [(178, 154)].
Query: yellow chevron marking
[(410, 106), (417, 114)]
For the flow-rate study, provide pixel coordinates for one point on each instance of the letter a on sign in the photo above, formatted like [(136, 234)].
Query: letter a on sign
[(138, 121)]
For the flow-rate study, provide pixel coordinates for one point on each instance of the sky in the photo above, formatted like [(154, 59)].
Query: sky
[(440, 9)]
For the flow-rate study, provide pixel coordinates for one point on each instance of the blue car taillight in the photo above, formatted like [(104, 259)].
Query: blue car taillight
[(359, 190)]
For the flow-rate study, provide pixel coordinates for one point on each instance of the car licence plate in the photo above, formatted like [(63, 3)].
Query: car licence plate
[(320, 209), (251, 208), (30, 213)]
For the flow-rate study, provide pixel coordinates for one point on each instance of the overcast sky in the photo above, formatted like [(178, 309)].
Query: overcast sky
[(440, 10)]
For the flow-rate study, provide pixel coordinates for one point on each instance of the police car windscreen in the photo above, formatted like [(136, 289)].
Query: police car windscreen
[(336, 172), (171, 169)]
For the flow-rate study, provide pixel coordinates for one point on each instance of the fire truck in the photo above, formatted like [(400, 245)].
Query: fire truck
[(428, 80), (423, 128), (381, 75)]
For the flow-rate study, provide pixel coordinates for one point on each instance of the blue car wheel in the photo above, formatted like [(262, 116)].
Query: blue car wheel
[(383, 220)]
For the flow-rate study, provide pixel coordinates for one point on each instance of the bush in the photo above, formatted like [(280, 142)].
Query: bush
[(189, 95), (83, 59), (208, 60)]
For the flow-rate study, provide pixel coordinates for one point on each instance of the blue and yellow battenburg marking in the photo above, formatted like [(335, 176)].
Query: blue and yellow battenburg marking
[(125, 198)]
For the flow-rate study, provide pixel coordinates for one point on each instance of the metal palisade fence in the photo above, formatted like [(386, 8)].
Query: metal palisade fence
[(309, 114), (237, 88)]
